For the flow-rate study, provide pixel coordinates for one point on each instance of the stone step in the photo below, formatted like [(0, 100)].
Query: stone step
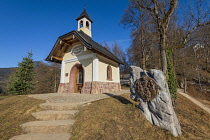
[(57, 126), (42, 136), (61, 106), (55, 115)]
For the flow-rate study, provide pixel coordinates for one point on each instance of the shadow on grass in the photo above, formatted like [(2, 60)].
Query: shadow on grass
[(120, 98)]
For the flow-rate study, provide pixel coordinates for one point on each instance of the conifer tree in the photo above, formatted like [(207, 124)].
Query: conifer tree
[(21, 81)]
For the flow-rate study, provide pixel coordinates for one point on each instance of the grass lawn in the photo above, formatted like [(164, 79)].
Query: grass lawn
[(118, 119), (15, 110)]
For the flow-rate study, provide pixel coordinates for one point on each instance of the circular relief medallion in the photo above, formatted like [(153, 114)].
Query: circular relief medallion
[(77, 49), (147, 88)]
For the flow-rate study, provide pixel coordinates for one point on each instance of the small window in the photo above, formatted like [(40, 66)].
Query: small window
[(81, 24), (109, 73), (87, 24)]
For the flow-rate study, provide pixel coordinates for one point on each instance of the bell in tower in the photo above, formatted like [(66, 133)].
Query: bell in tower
[(84, 23)]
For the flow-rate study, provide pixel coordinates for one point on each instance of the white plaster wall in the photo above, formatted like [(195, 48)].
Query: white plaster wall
[(103, 63), (86, 30), (67, 65), (87, 64), (86, 58), (68, 54)]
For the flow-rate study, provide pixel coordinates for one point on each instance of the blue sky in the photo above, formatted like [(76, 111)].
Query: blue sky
[(36, 24)]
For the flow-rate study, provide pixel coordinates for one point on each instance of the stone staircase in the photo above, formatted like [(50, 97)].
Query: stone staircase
[(57, 118), (52, 124)]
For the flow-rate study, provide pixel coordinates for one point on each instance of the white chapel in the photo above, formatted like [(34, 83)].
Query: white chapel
[(86, 66)]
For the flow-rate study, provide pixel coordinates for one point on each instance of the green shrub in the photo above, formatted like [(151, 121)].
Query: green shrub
[(171, 76)]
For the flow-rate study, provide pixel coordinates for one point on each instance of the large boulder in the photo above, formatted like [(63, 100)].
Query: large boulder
[(150, 88)]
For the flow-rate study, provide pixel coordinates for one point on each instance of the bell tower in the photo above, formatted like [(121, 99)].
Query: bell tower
[(84, 23)]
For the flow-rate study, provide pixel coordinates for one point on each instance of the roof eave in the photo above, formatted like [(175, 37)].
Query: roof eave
[(86, 44), (83, 17)]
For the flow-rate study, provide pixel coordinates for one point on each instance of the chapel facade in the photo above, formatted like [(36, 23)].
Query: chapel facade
[(86, 66)]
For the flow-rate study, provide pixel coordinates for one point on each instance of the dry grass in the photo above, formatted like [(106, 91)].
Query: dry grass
[(2, 97), (195, 122), (118, 119), (15, 110)]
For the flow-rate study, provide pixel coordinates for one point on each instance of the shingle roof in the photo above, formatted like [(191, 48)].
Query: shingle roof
[(97, 47), (89, 44), (84, 14)]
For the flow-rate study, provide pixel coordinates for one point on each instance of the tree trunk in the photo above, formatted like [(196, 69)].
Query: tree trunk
[(207, 60), (197, 69), (143, 49), (162, 44), (55, 87), (143, 61), (199, 77), (185, 84)]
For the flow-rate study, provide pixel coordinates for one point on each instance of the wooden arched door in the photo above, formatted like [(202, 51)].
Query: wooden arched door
[(76, 78)]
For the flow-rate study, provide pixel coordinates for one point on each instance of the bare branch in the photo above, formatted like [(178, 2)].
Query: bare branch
[(156, 12), (143, 7), (173, 5), (192, 30)]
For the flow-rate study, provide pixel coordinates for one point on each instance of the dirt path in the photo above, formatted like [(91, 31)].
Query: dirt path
[(198, 103)]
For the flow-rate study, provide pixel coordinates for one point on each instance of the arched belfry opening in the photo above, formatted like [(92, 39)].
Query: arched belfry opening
[(87, 25), (81, 24)]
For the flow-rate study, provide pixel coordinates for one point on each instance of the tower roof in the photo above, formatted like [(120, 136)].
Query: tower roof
[(84, 14)]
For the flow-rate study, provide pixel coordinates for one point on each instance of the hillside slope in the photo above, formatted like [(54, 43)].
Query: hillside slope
[(15, 110), (118, 118), (5, 73), (4, 76)]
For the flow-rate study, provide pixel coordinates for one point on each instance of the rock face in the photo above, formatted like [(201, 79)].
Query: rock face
[(151, 90)]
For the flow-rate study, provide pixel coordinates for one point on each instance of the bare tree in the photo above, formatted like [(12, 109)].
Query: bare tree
[(106, 45), (196, 16), (142, 33), (117, 50), (156, 21), (47, 78), (161, 11), (196, 31)]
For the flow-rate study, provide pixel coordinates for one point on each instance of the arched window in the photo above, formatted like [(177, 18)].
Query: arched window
[(109, 72), (81, 24), (87, 24)]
